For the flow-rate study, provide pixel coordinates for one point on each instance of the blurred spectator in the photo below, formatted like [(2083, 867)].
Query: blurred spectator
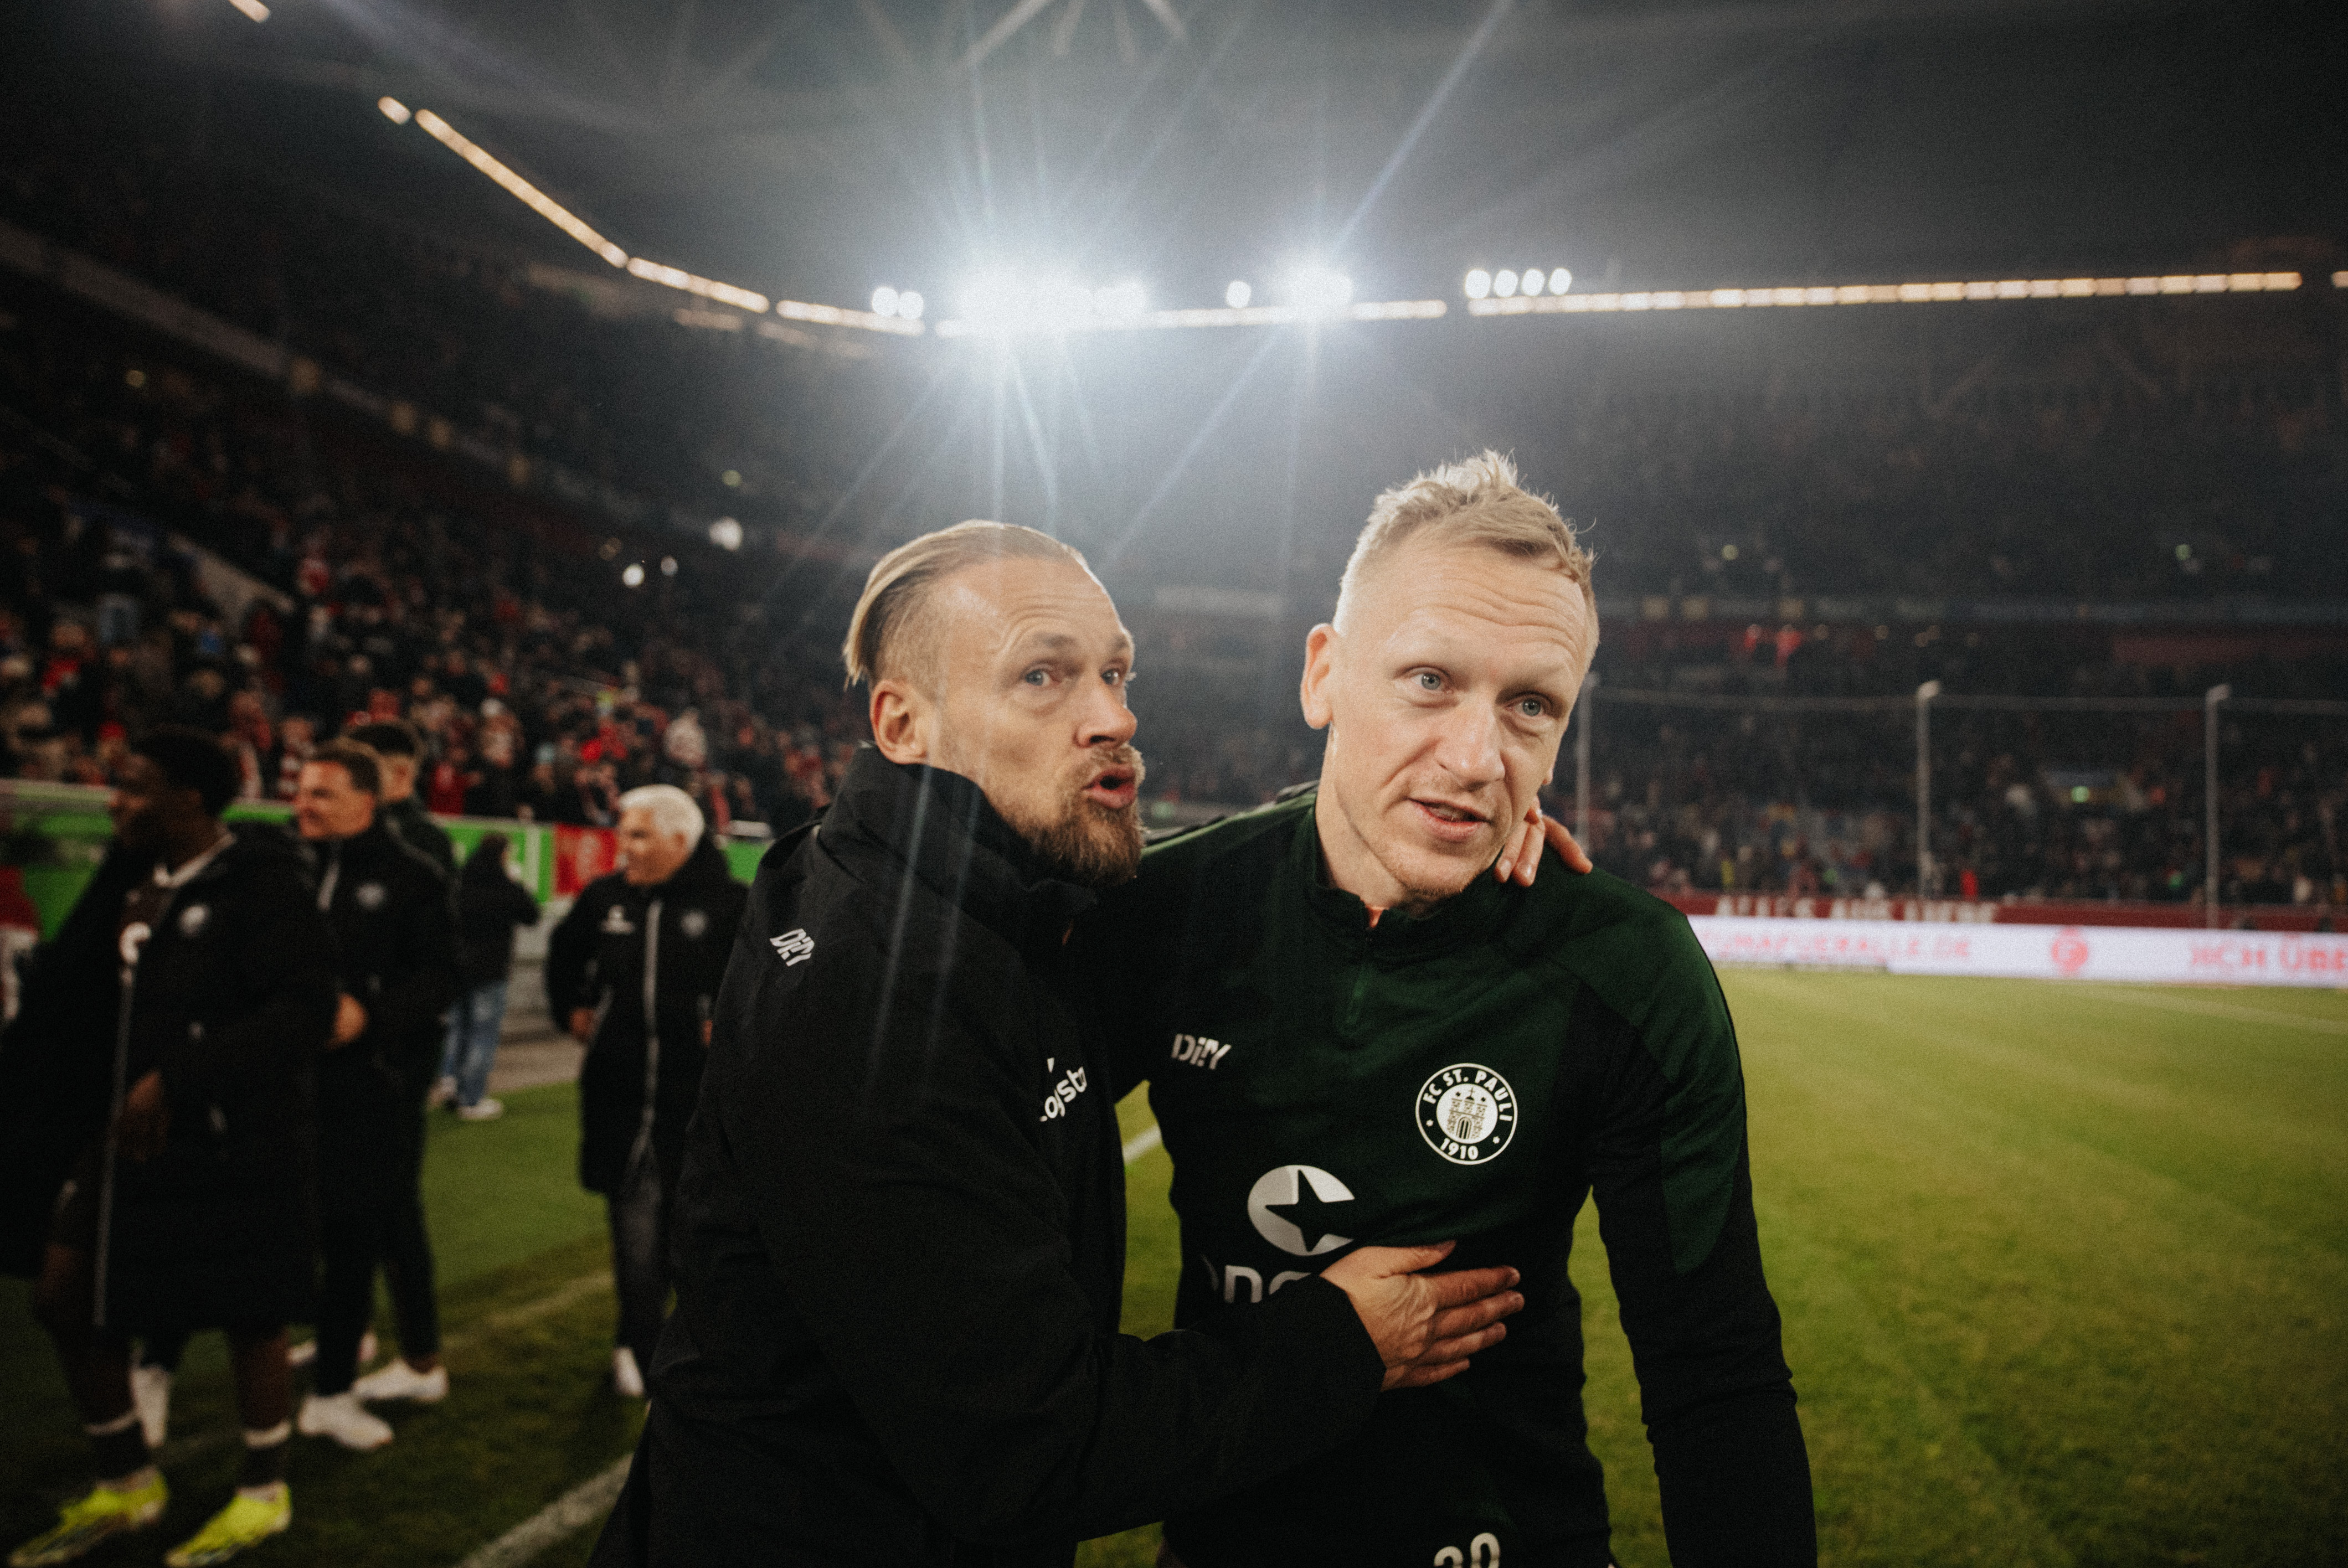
[(490, 906)]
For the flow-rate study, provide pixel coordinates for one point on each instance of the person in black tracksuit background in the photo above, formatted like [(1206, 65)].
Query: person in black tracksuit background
[(634, 971), (399, 752), (390, 908), (202, 984)]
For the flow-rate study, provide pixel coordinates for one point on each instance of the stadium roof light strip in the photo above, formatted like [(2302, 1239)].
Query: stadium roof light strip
[(1222, 316), (1890, 294), (651, 272)]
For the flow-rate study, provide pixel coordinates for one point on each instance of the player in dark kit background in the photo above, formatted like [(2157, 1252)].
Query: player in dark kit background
[(1354, 1035), (634, 969), (395, 930), (190, 1207)]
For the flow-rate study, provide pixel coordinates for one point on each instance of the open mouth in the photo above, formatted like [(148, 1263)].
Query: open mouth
[(1114, 789), (1448, 820)]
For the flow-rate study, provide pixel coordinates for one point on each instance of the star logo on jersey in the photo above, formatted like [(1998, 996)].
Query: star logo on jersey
[(1292, 1207), (1466, 1113)]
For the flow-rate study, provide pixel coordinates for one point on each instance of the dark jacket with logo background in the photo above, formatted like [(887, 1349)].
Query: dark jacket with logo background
[(392, 916), (648, 960), (901, 1238), (230, 996)]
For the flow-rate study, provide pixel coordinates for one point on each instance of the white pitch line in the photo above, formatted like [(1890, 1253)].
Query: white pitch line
[(575, 1510), (1141, 1143), (2209, 1008)]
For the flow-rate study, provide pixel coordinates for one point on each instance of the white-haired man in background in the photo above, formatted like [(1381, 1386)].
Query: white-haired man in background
[(634, 968)]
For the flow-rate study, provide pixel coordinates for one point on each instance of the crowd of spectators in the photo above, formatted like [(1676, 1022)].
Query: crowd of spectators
[(360, 591), (1748, 793)]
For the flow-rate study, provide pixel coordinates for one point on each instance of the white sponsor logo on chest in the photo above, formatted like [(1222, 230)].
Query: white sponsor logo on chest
[(1466, 1113), (1294, 1207), (193, 919), (1061, 1095), (793, 947), (693, 923), (616, 922), (1198, 1051), (370, 896)]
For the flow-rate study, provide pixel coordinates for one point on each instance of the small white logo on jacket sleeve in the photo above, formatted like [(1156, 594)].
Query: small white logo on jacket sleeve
[(793, 947)]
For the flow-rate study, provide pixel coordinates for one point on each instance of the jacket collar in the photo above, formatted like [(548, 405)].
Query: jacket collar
[(938, 827), (1473, 915), (702, 869)]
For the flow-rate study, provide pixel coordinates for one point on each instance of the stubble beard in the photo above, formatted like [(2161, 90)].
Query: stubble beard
[(1088, 843)]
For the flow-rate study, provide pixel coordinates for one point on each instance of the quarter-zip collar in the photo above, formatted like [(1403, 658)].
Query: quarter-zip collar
[(891, 819), (1474, 915)]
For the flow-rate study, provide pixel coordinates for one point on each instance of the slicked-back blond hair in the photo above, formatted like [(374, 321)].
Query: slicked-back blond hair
[(887, 636), (1474, 501)]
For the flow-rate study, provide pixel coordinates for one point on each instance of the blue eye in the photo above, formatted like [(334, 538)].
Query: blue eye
[(1035, 677), (1429, 680)]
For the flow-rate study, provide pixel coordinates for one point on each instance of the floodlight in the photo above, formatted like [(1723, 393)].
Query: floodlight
[(1478, 283), (393, 110), (668, 566), (1320, 291), (884, 301), (1237, 294), (908, 306), (252, 8), (634, 575), (725, 534), (1560, 279), (1504, 283), (1531, 284)]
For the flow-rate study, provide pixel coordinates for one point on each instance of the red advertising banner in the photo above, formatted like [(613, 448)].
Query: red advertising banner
[(581, 856)]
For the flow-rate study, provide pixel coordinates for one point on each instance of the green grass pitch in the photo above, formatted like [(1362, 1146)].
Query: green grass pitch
[(2064, 1269)]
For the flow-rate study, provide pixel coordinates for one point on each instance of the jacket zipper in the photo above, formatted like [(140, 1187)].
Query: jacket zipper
[(652, 1030)]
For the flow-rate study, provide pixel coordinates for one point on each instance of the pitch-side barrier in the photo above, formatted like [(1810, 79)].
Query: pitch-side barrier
[(2029, 952)]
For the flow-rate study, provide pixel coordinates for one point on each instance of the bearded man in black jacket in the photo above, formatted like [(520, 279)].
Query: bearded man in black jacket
[(634, 968), (392, 917), (900, 1220), (189, 1205)]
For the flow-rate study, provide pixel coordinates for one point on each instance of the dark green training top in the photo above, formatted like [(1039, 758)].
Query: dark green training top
[(1325, 1081)]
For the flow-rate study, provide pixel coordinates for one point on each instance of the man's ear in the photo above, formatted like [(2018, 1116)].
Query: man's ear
[(1319, 669), (901, 722)]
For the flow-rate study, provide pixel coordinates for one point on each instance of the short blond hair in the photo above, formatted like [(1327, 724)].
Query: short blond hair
[(1476, 501), (887, 635)]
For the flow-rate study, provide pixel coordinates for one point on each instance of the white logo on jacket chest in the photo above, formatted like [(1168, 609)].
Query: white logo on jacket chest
[(1291, 1207), (1198, 1051), (793, 947), (193, 919), (1061, 1095), (693, 923), (616, 922), (1466, 1113), (370, 897)]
